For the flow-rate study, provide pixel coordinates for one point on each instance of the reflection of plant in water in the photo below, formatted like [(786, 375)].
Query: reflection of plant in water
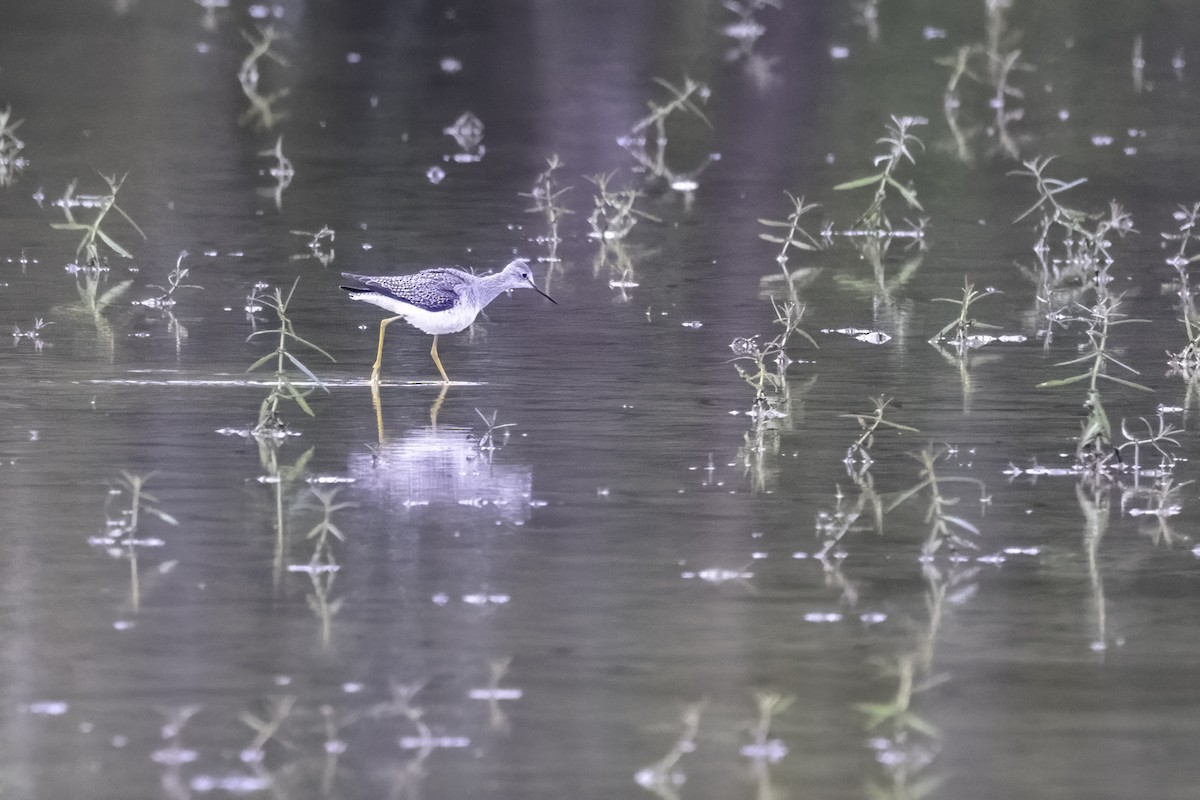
[(269, 421), (763, 751), (282, 171), (123, 530), (989, 64), (265, 727), (1095, 502), (651, 154), (319, 246), (745, 33), (261, 112), (663, 777), (947, 532), (11, 161), (545, 195), (905, 743), (322, 566)]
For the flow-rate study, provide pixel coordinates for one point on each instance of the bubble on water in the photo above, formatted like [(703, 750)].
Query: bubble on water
[(435, 175)]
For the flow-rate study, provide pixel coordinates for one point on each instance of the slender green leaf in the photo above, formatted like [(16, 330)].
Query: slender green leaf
[(859, 183), (262, 361), (1064, 381), (116, 248), (1124, 382)]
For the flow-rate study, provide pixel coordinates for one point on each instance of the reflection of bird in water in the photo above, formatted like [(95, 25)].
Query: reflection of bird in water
[(444, 469), (436, 301)]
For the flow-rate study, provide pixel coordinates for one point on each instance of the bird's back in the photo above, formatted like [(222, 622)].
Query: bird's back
[(436, 289)]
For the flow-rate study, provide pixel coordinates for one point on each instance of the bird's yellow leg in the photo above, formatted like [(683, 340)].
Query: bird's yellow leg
[(379, 353), (438, 361)]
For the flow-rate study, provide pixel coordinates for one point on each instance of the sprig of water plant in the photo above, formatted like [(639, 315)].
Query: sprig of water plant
[(284, 388), (175, 281), (614, 215), (11, 160), (795, 237), (859, 449), (899, 143), (1186, 362), (958, 332), (1100, 319), (319, 245), (92, 230), (34, 334), (1156, 438), (487, 440)]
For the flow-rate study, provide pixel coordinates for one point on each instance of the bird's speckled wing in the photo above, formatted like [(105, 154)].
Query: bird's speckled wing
[(429, 290)]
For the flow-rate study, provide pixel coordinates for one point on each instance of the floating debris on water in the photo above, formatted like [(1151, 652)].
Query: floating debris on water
[(450, 65), (48, 708), (692, 324), (435, 175), (823, 616), (234, 784)]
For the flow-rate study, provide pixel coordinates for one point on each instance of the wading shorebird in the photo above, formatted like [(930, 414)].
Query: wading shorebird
[(436, 301)]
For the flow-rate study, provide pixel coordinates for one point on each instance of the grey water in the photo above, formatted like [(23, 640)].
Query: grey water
[(540, 572)]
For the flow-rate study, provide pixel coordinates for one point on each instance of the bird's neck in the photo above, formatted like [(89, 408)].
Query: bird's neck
[(489, 287)]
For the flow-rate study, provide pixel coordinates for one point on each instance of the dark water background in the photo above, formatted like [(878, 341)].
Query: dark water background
[(632, 548)]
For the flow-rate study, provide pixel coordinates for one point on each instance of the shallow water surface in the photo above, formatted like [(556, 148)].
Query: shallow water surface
[(600, 563)]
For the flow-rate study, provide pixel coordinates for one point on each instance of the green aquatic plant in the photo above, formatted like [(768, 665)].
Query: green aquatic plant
[(859, 449), (11, 160), (613, 214), (93, 234), (284, 387), (793, 237), (958, 332), (900, 143), (1100, 319), (319, 246), (1186, 361)]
